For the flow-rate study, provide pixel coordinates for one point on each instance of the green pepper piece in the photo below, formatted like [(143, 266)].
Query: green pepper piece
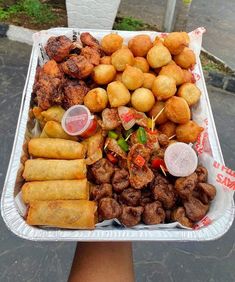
[(141, 135), (112, 135), (123, 144)]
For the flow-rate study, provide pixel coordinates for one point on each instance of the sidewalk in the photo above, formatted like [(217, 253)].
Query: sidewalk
[(25, 261), (216, 16)]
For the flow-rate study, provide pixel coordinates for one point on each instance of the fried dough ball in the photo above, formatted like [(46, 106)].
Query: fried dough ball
[(132, 77), (158, 56), (111, 43), (190, 92), (96, 100), (186, 36), (118, 76), (177, 110), (158, 106), (58, 48), (153, 213), (140, 45), (103, 74), (188, 76), (186, 59), (168, 128), (121, 58), (180, 216), (164, 87), (141, 63), (173, 71), (105, 60), (175, 42), (188, 132), (118, 94), (142, 99), (148, 80), (158, 40)]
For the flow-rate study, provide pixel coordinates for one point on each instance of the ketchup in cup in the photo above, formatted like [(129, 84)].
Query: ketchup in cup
[(78, 120), (180, 159)]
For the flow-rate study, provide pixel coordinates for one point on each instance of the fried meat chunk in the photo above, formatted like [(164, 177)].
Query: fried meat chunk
[(109, 208), (153, 213), (102, 171), (131, 216), (58, 48)]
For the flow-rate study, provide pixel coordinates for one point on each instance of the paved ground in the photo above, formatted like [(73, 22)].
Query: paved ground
[(25, 261), (216, 16)]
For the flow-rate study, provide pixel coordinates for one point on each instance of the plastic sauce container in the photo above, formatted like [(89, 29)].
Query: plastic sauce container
[(78, 120)]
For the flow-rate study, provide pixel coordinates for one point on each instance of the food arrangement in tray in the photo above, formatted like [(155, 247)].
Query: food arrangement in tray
[(116, 134)]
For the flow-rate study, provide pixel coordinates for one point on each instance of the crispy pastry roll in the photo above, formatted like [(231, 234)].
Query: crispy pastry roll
[(71, 214), (54, 129), (55, 190), (39, 169), (55, 148)]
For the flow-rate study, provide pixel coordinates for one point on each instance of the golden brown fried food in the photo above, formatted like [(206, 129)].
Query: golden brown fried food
[(177, 110), (121, 58), (96, 100), (103, 74), (158, 56), (188, 76), (58, 48), (77, 67), (54, 113), (158, 106), (188, 132), (140, 45), (91, 54), (118, 94), (106, 60), (111, 43), (148, 80), (132, 77), (190, 92), (186, 36), (164, 87), (173, 71), (118, 76), (179, 215), (142, 99), (88, 40), (185, 59), (158, 40), (175, 42), (168, 128), (51, 69), (141, 63), (74, 93)]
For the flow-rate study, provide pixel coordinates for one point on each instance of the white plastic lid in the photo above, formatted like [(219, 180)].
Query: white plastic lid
[(76, 120), (180, 159)]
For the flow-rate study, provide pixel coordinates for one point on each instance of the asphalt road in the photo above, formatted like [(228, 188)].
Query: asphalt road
[(216, 16), (25, 261)]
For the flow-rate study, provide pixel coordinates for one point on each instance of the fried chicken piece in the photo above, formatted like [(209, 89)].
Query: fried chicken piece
[(185, 185), (77, 67), (120, 180), (207, 192), (50, 68), (74, 93), (58, 48), (180, 216), (110, 119), (102, 171), (101, 191), (153, 213), (202, 173), (91, 54), (131, 215), (195, 209), (109, 208), (88, 40), (130, 197), (139, 176)]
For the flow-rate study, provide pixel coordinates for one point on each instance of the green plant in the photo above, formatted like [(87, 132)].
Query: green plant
[(128, 23)]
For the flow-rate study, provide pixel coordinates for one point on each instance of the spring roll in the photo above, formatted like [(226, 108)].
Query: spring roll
[(54, 129), (55, 190), (54, 113), (54, 148), (71, 214), (39, 169)]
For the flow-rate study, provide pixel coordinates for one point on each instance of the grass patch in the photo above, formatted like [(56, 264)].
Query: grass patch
[(129, 23), (34, 10)]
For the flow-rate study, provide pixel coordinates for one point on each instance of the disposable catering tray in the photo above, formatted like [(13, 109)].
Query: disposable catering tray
[(213, 227)]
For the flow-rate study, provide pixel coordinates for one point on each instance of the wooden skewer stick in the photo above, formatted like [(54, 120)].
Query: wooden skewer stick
[(128, 136), (152, 124), (161, 167), (172, 137), (157, 116)]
